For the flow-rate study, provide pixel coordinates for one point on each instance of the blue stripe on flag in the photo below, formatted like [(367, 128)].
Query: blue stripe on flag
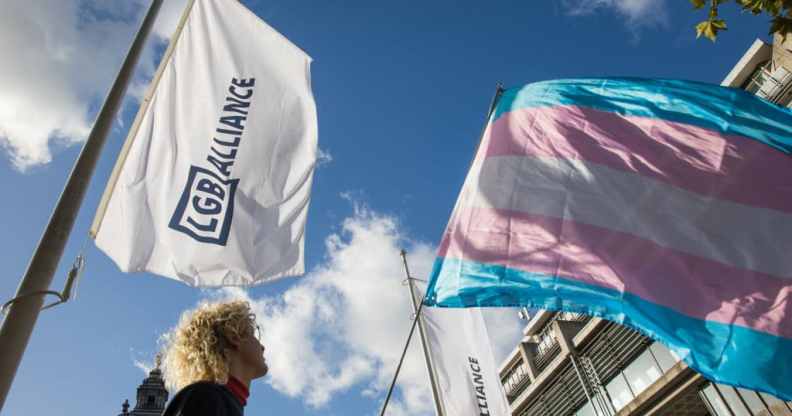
[(716, 350), (726, 110)]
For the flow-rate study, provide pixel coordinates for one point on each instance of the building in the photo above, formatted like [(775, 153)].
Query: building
[(151, 395), (765, 70), (570, 364)]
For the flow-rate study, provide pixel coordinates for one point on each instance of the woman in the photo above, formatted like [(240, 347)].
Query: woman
[(212, 356)]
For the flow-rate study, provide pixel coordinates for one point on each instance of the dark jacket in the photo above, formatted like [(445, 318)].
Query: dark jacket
[(204, 398)]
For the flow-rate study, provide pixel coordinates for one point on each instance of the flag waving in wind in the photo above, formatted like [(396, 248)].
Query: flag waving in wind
[(216, 185), (462, 358), (663, 205)]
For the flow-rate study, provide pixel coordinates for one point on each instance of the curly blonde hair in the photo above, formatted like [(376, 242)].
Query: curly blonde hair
[(195, 349)]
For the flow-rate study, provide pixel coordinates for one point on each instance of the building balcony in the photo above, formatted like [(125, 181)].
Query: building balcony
[(546, 349), (771, 83), (572, 317), (516, 379)]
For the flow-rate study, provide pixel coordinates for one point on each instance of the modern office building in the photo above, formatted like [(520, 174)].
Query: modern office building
[(569, 364), (765, 70)]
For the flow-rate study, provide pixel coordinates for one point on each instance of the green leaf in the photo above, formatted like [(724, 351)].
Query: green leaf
[(710, 28), (719, 24), (782, 25), (775, 7), (772, 7), (697, 4)]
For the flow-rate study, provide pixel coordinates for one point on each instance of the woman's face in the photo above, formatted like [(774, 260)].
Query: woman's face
[(251, 352)]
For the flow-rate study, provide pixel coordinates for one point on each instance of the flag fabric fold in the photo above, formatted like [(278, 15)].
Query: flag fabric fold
[(660, 204), (216, 185), (467, 376)]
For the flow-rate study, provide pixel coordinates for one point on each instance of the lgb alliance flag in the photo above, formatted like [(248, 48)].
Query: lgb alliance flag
[(664, 205), (468, 382), (216, 185)]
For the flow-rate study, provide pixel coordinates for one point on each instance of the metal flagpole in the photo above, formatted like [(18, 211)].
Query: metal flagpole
[(495, 98), (23, 312), (422, 333), (401, 361), (493, 103)]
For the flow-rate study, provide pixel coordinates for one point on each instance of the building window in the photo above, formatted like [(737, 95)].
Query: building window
[(776, 406), (642, 372), (619, 392), (728, 401), (734, 401), (587, 410), (721, 400), (665, 357), (151, 400), (754, 403), (713, 400)]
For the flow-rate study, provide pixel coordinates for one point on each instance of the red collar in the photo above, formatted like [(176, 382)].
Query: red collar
[(239, 390)]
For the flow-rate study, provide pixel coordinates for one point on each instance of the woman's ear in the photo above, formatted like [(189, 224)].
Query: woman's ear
[(232, 343), (227, 343)]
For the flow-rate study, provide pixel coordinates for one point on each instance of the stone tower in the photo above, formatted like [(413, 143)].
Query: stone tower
[(151, 395)]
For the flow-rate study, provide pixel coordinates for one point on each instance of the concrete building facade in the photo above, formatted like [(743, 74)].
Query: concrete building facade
[(570, 364), (765, 70)]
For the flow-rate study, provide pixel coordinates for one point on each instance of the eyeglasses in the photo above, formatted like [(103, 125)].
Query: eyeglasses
[(257, 332)]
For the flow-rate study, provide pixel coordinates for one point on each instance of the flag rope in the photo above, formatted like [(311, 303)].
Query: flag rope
[(63, 296), (404, 352), (424, 346)]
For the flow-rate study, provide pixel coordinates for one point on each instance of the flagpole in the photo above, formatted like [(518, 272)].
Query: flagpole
[(401, 361), (493, 103), (23, 312), (422, 333)]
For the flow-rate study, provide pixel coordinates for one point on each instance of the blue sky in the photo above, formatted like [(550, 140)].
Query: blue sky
[(401, 90)]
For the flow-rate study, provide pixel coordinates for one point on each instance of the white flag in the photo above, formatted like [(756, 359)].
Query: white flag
[(461, 355), (216, 185)]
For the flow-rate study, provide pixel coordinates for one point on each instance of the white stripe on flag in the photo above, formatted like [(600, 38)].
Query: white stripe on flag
[(593, 194)]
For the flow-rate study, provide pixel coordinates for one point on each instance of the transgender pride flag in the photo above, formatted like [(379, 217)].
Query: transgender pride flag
[(663, 205)]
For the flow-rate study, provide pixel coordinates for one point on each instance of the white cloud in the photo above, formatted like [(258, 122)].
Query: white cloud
[(168, 16), (323, 157), (60, 57), (343, 325), (145, 365), (637, 13)]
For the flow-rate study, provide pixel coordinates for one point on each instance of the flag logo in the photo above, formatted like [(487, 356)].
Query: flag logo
[(206, 207), (229, 113)]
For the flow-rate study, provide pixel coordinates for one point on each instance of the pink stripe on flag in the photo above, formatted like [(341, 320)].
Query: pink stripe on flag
[(732, 168), (694, 286)]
